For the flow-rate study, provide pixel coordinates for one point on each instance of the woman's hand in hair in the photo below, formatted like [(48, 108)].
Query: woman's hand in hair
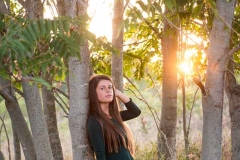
[(120, 95)]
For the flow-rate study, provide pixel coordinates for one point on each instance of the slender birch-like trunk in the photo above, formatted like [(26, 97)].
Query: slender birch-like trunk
[(37, 120), (79, 75), (217, 62), (117, 42), (18, 122), (167, 136)]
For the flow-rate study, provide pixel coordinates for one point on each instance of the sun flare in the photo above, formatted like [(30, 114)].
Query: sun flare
[(101, 18), (185, 67)]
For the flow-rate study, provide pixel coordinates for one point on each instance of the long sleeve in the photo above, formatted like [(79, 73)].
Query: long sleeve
[(95, 134), (132, 111)]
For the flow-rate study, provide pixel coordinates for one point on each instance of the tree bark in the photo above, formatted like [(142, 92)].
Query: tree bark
[(16, 145), (51, 120), (167, 139), (217, 62), (37, 121), (70, 8), (79, 108), (34, 8), (117, 42), (18, 122), (3, 8), (61, 8), (79, 74), (233, 93), (1, 156)]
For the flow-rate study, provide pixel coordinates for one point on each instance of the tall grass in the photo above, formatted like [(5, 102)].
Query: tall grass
[(150, 152)]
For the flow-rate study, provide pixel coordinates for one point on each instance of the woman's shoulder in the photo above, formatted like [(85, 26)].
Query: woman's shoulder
[(92, 120), (93, 123)]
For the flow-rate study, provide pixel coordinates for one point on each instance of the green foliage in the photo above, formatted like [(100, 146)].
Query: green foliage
[(170, 4), (101, 51), (142, 39), (37, 46), (235, 36), (144, 26)]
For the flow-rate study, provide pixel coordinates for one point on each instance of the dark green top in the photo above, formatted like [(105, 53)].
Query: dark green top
[(97, 140)]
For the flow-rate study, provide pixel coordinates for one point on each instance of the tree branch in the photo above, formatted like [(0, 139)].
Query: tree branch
[(62, 100), (4, 126), (60, 91), (200, 85), (233, 50), (150, 108), (18, 91), (64, 110), (6, 96)]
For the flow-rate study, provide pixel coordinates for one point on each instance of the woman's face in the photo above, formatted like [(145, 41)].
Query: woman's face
[(104, 91)]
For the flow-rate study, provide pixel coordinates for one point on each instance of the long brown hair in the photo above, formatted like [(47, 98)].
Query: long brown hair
[(112, 133)]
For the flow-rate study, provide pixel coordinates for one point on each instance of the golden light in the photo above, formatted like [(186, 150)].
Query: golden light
[(100, 13), (189, 53), (185, 68), (155, 58)]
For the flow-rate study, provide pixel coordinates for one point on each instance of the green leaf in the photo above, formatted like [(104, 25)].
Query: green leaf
[(36, 29), (19, 47), (169, 4), (58, 61), (90, 36), (54, 26), (66, 26), (42, 82), (143, 6), (26, 34), (139, 14), (59, 47), (197, 10), (2, 23), (3, 51), (41, 25), (48, 24), (61, 26), (31, 32)]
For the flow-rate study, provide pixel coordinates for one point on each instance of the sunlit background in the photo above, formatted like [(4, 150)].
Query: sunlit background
[(101, 13)]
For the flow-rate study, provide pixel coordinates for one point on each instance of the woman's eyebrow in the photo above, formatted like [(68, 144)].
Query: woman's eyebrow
[(106, 85)]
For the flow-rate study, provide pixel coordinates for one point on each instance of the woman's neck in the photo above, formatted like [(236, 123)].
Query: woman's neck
[(105, 108)]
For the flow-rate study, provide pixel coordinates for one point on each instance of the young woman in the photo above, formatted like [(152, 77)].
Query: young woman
[(109, 136)]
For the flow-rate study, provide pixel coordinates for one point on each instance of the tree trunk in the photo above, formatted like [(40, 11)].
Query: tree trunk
[(233, 93), (16, 145), (34, 9), (167, 139), (61, 8), (51, 120), (70, 8), (79, 108), (79, 74), (3, 8), (217, 62), (18, 122), (1, 156), (37, 121), (117, 42)]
